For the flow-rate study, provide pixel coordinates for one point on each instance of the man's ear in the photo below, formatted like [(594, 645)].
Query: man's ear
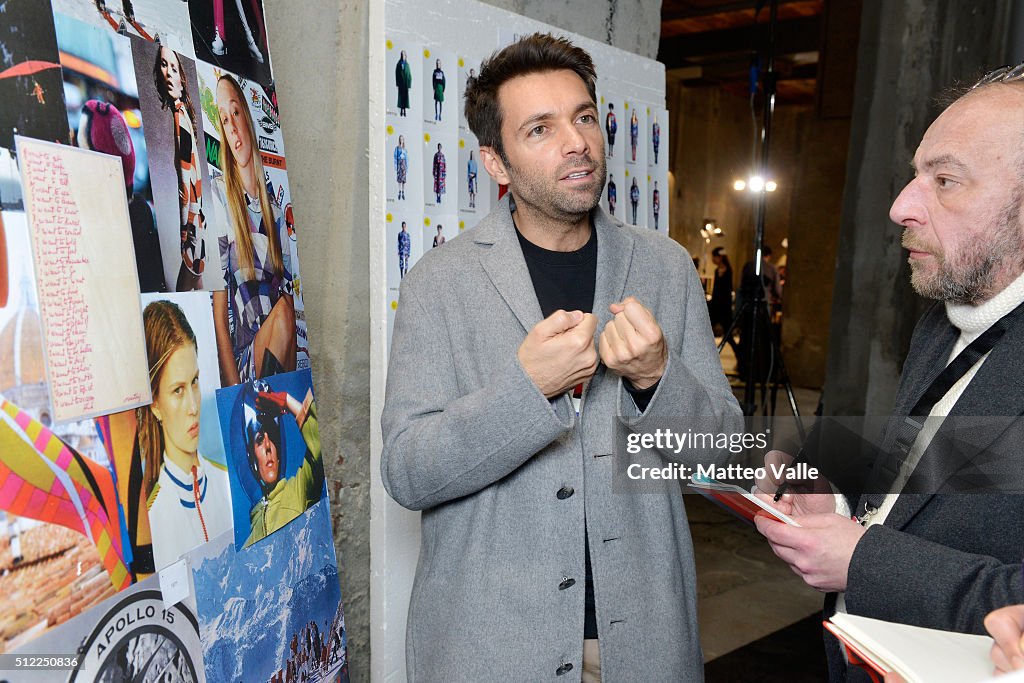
[(494, 166)]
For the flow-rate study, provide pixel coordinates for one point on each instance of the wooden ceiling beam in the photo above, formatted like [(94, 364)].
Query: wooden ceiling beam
[(791, 36), (676, 11)]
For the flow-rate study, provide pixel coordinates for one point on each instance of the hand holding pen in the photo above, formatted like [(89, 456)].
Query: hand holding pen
[(793, 496)]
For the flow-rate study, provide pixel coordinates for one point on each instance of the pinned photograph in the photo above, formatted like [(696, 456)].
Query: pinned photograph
[(31, 90), (232, 35), (636, 142), (258, 312), (636, 213), (474, 193), (656, 149), (611, 128), (179, 474), (404, 248), (441, 101), (133, 636), (441, 157), (158, 21), (438, 229), (610, 200), (399, 179), (80, 233), (272, 444), (282, 622), (61, 541), (654, 220), (174, 137), (403, 93)]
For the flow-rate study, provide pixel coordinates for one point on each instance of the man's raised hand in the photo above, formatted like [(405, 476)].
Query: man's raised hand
[(633, 345), (559, 353)]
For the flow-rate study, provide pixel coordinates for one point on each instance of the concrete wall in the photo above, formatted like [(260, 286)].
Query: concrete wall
[(631, 25), (909, 52), (319, 50)]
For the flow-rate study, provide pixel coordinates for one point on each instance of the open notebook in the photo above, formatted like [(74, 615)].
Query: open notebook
[(920, 655)]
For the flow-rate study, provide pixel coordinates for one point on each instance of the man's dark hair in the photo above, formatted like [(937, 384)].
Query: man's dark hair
[(536, 53)]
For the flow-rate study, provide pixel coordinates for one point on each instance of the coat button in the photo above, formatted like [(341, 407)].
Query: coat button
[(567, 583), (564, 492), (564, 669)]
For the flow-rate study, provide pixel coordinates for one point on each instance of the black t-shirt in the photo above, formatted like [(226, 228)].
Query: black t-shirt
[(565, 280)]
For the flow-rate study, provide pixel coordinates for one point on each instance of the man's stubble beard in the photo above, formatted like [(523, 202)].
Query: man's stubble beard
[(566, 207), (972, 276)]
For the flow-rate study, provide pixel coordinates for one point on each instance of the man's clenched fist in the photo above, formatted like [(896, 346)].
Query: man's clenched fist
[(632, 344), (559, 351)]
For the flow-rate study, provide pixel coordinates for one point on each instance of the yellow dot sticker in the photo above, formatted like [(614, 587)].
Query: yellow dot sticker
[(426, 220), (391, 46), (426, 54), (426, 137), (625, 105), (389, 218), (394, 305), (649, 180), (391, 130), (462, 62), (602, 99), (627, 173), (462, 225), (648, 111), (462, 143)]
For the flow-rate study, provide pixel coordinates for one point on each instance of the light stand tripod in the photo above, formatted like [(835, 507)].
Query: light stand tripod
[(756, 308)]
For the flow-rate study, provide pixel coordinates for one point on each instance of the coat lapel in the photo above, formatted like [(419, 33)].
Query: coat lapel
[(502, 260), (614, 255)]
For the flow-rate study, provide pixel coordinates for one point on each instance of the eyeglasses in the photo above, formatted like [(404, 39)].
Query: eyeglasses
[(1003, 74)]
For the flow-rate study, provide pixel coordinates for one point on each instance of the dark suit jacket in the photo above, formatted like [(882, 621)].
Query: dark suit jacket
[(946, 560)]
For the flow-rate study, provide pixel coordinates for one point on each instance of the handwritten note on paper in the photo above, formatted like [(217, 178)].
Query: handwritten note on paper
[(88, 286)]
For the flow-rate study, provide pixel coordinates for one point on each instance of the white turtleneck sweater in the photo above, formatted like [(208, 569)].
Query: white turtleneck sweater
[(972, 321)]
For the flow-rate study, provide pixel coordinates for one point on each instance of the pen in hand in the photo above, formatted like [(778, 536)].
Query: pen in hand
[(779, 492)]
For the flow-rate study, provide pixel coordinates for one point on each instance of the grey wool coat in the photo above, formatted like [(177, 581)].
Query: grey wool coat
[(503, 475)]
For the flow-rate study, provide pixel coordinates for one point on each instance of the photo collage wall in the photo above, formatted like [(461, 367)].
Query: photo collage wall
[(436, 186), (163, 507)]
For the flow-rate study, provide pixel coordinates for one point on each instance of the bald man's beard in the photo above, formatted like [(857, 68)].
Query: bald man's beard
[(980, 268)]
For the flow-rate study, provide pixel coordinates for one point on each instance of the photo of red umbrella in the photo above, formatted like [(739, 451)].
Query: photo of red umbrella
[(27, 68)]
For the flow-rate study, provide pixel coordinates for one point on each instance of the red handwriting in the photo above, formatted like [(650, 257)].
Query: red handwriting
[(62, 274)]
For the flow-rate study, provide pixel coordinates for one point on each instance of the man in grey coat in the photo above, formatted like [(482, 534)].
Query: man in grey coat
[(923, 551), (501, 396)]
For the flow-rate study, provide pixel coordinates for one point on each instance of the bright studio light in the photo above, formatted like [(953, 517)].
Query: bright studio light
[(755, 184)]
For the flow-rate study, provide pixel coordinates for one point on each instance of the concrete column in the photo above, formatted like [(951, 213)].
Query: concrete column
[(319, 49), (908, 53)]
